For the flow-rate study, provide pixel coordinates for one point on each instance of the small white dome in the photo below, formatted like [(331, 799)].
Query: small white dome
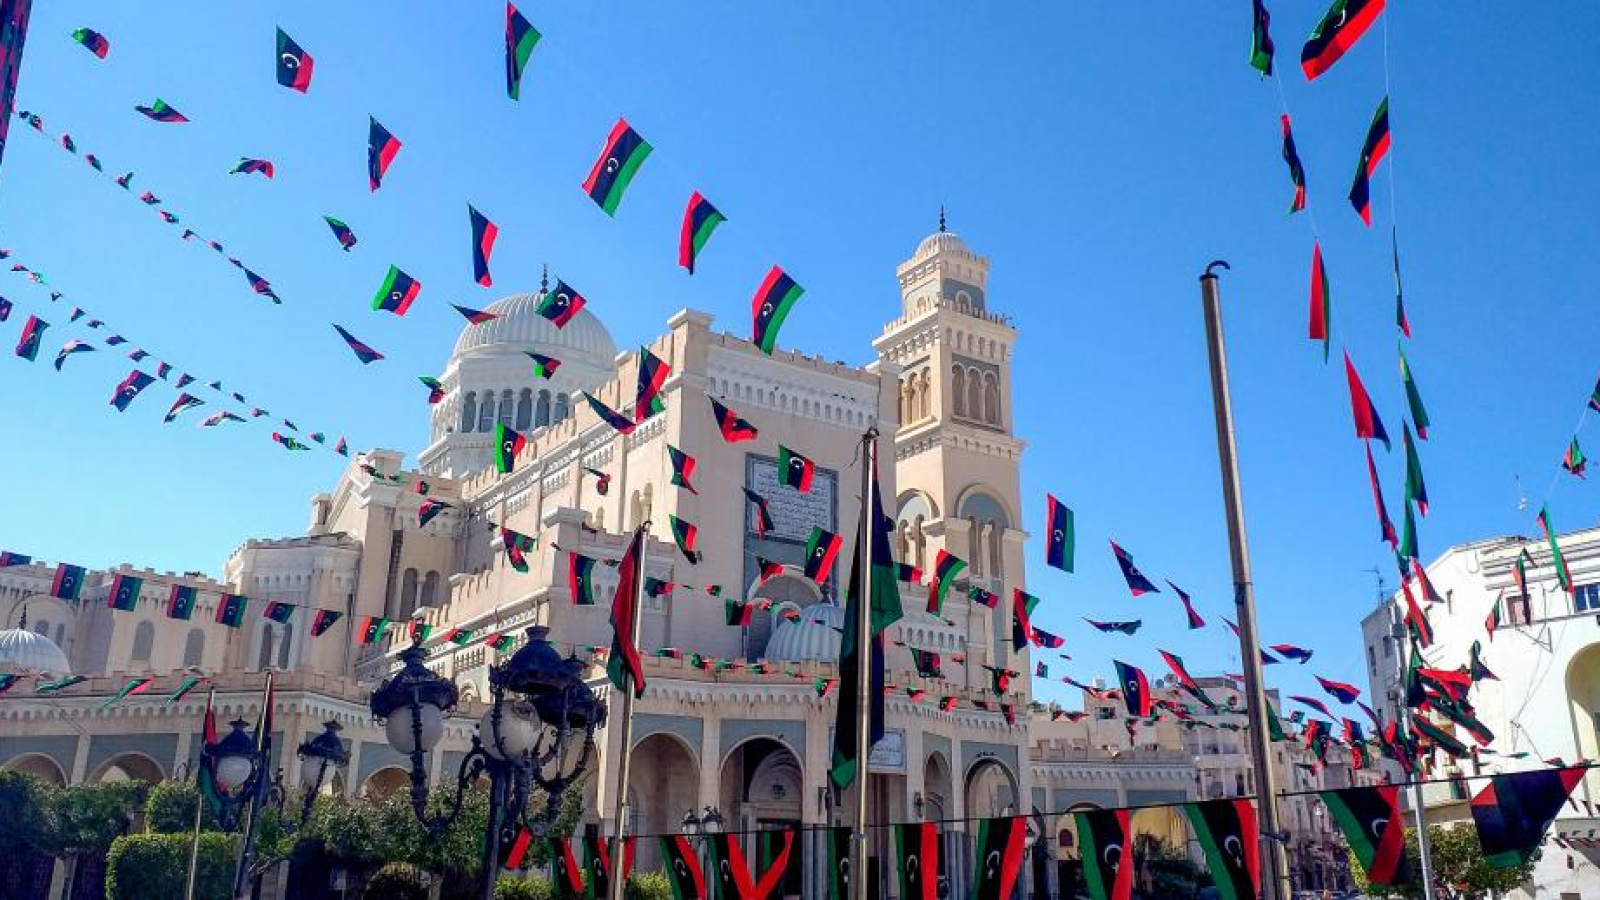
[(520, 327), (23, 652), (815, 637), (942, 242)]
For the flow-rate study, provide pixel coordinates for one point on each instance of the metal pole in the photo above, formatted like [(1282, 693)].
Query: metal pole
[(1403, 718), (1277, 874), (199, 802), (618, 878), (859, 881), (258, 792), (498, 774)]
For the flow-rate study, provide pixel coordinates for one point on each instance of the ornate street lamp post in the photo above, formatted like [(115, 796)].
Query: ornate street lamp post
[(538, 732), (238, 770), (317, 756)]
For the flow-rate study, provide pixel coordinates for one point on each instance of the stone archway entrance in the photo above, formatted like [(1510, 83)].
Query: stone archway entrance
[(664, 785), (761, 788), (991, 790), (387, 780), (129, 767)]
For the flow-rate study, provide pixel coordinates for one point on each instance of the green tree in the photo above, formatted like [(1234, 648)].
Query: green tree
[(1459, 869), (26, 811), (169, 809), (141, 866), (532, 888), (88, 817)]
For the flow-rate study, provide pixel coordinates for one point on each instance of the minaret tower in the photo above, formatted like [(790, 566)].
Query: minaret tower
[(956, 461)]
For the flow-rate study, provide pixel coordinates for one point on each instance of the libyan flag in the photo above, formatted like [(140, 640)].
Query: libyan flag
[(682, 867), (999, 860), (881, 573), (1107, 853), (917, 859), (1371, 821), (1513, 812), (622, 664), (1227, 832)]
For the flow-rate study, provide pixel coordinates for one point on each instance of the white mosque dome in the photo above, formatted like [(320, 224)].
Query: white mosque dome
[(942, 242), (24, 652), (521, 328), (815, 637)]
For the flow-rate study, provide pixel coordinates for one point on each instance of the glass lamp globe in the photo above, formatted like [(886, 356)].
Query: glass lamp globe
[(399, 729), (232, 772), (518, 733), (311, 771)]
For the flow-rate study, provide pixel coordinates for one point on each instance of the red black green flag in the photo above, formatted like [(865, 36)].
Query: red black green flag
[(1419, 414), (1374, 828), (1594, 397), (773, 851), (1107, 852), (795, 470), (821, 550), (685, 534), (1574, 461), (1059, 526), (521, 37), (875, 572), (621, 423), (294, 64), (381, 149), (1042, 638), (771, 305), (1260, 38), (1416, 488), (733, 428), (602, 480), (514, 856), (397, 292), (1131, 627), (1563, 574), (763, 518), (180, 602), (1135, 689), (560, 304), (999, 678), (1344, 693), (1188, 607), (824, 686), (699, 220), (567, 873), (32, 333), (837, 840), (517, 544), (625, 151), (93, 41), (1321, 302), (159, 111), (129, 388), (428, 510), (508, 442), (999, 857), (1342, 25), (917, 860), (623, 665), (597, 864), (1137, 583), (124, 594), (766, 569), (1373, 150), (926, 663), (484, 233), (983, 597), (580, 578), (682, 468), (323, 620), (278, 612), (946, 567), (730, 874), (1385, 524), (681, 863), (230, 610), (1297, 172), (653, 372), (1022, 607), (1227, 832), (1514, 811), (1492, 622), (435, 389), (1439, 737), (206, 774), (1368, 424), (543, 366)]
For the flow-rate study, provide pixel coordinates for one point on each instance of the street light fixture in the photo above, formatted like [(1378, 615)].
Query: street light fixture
[(234, 761), (538, 732), (318, 755)]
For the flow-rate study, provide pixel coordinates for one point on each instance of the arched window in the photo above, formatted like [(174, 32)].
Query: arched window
[(194, 647), (975, 545), (924, 396), (408, 592), (562, 409), (430, 589), (541, 415), (41, 627), (61, 635), (997, 566), (525, 409), (486, 412), (264, 650), (469, 413), (144, 639), (284, 637), (958, 388), (974, 396), (508, 408), (991, 399), (635, 511)]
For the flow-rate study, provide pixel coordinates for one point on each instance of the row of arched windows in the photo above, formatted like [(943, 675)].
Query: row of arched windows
[(144, 640), (916, 393), (976, 394), (481, 410), (417, 590)]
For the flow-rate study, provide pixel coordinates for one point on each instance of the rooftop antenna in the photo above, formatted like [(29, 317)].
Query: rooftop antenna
[(1382, 588), (1522, 497)]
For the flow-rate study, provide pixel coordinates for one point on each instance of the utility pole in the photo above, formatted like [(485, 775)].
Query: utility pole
[(1402, 712), (865, 644), (1273, 851), (618, 877)]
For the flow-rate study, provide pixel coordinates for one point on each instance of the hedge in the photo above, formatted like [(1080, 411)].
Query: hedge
[(142, 866)]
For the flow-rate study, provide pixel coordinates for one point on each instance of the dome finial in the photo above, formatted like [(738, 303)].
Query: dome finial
[(22, 620), (941, 218), (544, 278)]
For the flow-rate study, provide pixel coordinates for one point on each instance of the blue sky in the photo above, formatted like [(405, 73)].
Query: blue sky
[(1099, 154)]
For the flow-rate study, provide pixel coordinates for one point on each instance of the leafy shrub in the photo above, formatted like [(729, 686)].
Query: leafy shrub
[(648, 886), (522, 889), (169, 809), (141, 866), (396, 881)]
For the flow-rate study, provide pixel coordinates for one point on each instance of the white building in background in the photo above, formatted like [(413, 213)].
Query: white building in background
[(1546, 701)]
